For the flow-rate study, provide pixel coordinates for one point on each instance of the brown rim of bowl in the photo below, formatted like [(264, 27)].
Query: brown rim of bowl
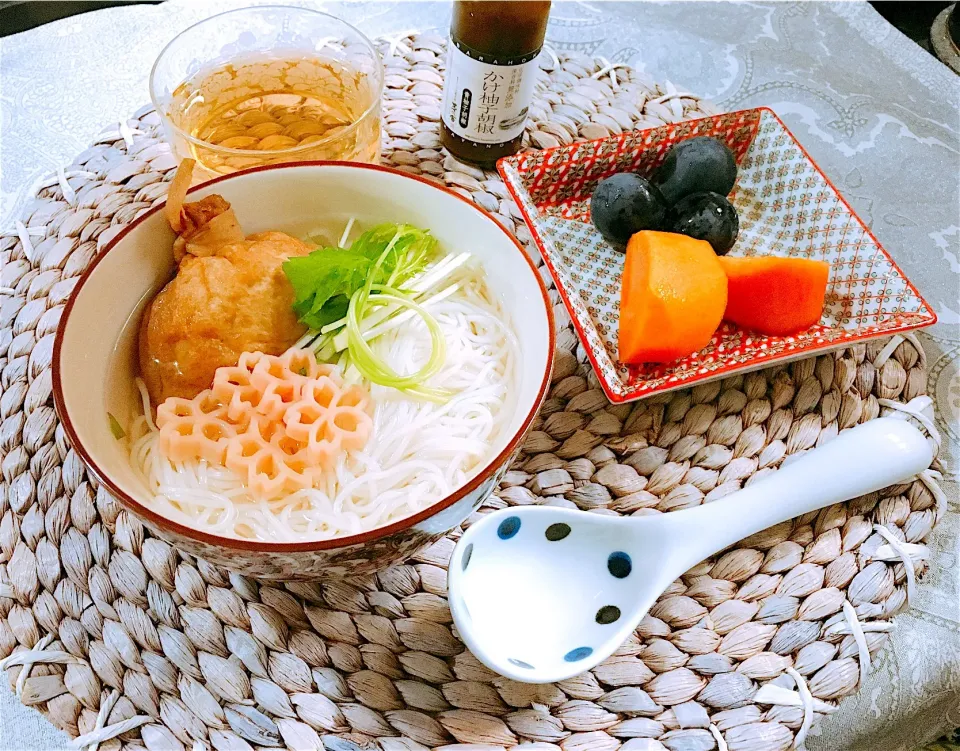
[(315, 545)]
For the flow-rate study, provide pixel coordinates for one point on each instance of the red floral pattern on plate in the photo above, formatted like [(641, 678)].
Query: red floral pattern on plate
[(787, 207)]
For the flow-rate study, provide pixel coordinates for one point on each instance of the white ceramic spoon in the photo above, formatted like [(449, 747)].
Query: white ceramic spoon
[(540, 594)]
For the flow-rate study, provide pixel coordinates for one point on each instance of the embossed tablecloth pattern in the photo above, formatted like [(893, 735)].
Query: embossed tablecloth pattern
[(877, 113)]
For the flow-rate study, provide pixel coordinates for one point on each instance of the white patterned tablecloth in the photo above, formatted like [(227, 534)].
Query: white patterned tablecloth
[(876, 112)]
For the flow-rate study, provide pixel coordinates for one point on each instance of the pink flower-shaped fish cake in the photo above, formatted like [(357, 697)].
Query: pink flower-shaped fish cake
[(348, 418), (194, 429), (234, 388)]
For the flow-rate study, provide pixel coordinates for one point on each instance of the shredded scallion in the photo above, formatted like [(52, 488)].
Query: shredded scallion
[(397, 285), (118, 432)]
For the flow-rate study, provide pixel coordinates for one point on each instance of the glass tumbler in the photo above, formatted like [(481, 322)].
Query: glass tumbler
[(266, 85)]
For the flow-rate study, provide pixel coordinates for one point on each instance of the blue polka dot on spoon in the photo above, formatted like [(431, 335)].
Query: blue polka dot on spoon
[(608, 614), (619, 564), (579, 653), (508, 527)]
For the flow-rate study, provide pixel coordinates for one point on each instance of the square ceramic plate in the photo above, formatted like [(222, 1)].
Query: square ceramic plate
[(787, 207)]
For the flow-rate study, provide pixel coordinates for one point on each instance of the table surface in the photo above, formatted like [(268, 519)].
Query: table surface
[(877, 113)]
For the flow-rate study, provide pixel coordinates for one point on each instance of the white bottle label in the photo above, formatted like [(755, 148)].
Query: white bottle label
[(484, 100)]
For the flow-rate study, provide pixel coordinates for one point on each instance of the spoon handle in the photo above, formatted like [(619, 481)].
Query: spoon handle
[(861, 460)]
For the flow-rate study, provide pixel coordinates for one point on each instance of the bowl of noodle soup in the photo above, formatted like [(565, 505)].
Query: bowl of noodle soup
[(282, 444)]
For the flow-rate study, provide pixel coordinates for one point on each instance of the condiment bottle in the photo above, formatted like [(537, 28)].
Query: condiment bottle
[(491, 70)]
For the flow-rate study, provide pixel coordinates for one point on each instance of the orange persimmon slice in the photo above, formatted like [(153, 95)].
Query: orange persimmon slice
[(672, 297), (773, 295)]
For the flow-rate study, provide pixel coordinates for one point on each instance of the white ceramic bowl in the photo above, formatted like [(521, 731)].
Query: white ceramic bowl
[(94, 362)]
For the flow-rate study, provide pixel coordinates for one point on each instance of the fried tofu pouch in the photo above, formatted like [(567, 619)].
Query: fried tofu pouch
[(229, 296)]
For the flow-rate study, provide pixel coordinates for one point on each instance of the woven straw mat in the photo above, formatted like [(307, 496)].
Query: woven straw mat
[(118, 637)]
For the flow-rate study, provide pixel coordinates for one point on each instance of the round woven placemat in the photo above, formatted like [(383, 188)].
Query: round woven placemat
[(118, 637)]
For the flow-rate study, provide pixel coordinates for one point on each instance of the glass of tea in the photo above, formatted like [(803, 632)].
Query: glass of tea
[(271, 84)]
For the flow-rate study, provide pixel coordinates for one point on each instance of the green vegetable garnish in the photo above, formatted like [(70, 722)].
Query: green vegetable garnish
[(376, 369), (115, 428), (343, 288), (324, 281)]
